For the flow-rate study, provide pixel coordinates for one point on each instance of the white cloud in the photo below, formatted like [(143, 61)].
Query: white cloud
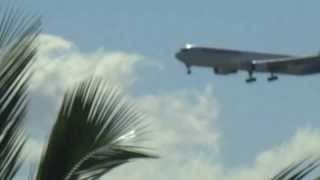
[(33, 149), (185, 135), (60, 64), (183, 166), (184, 122), (304, 144), (183, 119)]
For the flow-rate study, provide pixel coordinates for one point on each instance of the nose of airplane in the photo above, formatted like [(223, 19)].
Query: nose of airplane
[(182, 55), (179, 56)]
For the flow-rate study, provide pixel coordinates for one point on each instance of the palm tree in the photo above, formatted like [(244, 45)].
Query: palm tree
[(94, 133), (297, 171), (95, 128), (18, 34)]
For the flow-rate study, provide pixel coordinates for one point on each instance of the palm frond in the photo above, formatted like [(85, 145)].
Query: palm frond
[(297, 171), (18, 34), (92, 134)]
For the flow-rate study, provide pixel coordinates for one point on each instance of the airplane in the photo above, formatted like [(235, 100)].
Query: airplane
[(229, 61)]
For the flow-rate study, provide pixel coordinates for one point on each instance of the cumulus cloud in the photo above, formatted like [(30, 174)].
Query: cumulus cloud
[(60, 64), (33, 150), (185, 135), (183, 166), (184, 122), (304, 144)]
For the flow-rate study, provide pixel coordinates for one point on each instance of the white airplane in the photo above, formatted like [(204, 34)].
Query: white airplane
[(227, 61)]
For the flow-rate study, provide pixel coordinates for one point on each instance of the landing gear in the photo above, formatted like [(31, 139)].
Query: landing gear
[(251, 79), (188, 69), (215, 70), (250, 72), (272, 77)]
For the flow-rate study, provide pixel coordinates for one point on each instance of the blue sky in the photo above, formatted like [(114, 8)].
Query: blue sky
[(253, 117)]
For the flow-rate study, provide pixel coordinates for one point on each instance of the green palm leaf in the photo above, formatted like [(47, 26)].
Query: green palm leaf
[(18, 34), (91, 135), (297, 171)]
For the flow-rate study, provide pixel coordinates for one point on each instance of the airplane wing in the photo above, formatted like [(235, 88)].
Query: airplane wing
[(294, 66)]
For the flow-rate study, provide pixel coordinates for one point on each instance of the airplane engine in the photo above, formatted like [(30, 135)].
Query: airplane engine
[(224, 71)]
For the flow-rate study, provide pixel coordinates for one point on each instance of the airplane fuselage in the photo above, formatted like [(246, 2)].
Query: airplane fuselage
[(221, 58), (227, 61)]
